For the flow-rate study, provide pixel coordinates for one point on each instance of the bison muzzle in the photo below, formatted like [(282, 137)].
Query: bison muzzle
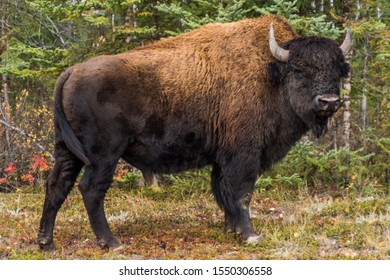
[(225, 95)]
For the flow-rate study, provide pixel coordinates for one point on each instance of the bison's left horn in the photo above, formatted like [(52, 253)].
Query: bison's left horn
[(278, 52), (347, 44)]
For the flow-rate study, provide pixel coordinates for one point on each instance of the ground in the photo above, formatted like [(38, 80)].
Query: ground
[(177, 221)]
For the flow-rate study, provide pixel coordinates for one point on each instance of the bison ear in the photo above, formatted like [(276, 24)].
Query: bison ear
[(275, 71)]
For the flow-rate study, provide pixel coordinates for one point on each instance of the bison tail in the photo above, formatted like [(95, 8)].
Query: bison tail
[(69, 137)]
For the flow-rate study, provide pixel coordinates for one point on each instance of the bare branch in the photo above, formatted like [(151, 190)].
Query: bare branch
[(24, 134), (57, 31)]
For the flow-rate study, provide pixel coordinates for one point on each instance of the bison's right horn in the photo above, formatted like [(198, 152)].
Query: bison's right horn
[(347, 44), (278, 52)]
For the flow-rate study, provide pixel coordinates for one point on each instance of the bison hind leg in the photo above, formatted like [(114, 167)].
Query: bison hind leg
[(58, 186), (94, 184)]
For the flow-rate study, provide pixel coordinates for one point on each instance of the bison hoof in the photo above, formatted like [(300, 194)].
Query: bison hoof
[(46, 244), (112, 244), (252, 240)]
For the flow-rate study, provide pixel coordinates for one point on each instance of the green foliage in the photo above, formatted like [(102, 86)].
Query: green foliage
[(23, 61), (266, 182), (189, 183), (308, 166), (187, 15), (305, 26), (371, 63), (316, 26), (185, 184), (284, 9), (128, 179)]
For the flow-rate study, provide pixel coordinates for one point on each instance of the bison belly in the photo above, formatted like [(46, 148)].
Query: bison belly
[(169, 146)]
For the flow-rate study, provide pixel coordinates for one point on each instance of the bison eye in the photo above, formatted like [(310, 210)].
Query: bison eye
[(297, 72)]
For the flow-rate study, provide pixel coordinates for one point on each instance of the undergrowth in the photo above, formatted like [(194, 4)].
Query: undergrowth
[(306, 166), (313, 205)]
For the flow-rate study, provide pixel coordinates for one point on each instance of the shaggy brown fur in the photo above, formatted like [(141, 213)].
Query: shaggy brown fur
[(217, 73), (212, 96)]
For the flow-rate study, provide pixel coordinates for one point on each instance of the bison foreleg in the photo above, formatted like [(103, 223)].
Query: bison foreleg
[(93, 186), (58, 186), (232, 186)]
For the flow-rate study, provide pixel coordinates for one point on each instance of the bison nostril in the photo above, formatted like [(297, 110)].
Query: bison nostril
[(323, 104), (331, 102)]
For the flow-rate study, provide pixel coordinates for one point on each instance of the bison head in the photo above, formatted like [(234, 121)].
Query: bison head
[(309, 70)]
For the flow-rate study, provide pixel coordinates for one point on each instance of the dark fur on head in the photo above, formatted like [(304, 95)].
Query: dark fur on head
[(315, 67)]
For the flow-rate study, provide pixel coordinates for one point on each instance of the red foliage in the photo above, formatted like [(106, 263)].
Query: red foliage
[(28, 178), (121, 173), (3, 181), (10, 169), (39, 164)]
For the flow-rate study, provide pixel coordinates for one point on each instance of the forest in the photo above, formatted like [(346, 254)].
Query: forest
[(329, 195)]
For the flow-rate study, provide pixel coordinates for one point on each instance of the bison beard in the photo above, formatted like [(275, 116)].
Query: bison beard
[(224, 95)]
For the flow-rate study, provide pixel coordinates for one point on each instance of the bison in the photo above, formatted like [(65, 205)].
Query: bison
[(225, 95)]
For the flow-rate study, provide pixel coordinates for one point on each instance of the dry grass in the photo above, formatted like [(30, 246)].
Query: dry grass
[(172, 223)]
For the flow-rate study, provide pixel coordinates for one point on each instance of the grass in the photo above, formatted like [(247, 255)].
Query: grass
[(180, 220)]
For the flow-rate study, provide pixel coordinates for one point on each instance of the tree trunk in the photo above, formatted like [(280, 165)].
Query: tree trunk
[(365, 70), (5, 111), (379, 14), (358, 6), (4, 101), (135, 11), (156, 24), (346, 85), (313, 6), (131, 20), (321, 8), (127, 24)]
